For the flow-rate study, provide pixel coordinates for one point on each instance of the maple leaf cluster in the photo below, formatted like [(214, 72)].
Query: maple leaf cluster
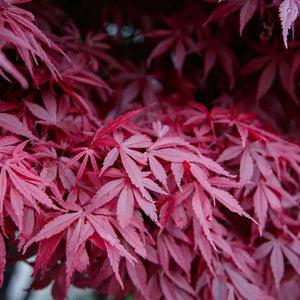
[(114, 175)]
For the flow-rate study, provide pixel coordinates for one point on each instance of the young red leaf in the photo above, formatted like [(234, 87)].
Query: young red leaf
[(115, 124)]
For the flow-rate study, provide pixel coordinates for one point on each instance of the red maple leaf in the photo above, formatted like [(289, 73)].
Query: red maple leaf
[(27, 38), (82, 224), (178, 40), (278, 248)]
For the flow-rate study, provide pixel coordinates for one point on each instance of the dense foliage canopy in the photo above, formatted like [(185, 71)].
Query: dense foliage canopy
[(152, 149)]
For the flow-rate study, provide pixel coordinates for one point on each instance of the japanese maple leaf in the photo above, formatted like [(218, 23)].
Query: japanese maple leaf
[(201, 205), (271, 65), (178, 40), (278, 248), (168, 247), (168, 149), (80, 225), (178, 152), (252, 156), (127, 195), (24, 185), (203, 211), (100, 137), (138, 276), (196, 193), (238, 253), (159, 129), (53, 170), (13, 124), (247, 10), (123, 190), (136, 82), (87, 154), (129, 156), (265, 196), (96, 47), (199, 114), (255, 166), (258, 162), (92, 48), (75, 78), (170, 286), (72, 70), (243, 287), (53, 114), (8, 67), (7, 145), (20, 23), (221, 195), (289, 11), (215, 51)]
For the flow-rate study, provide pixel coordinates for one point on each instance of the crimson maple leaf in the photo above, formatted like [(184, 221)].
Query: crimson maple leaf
[(18, 29), (81, 224), (242, 287), (136, 82), (22, 183), (278, 248), (215, 50), (13, 124), (178, 40), (92, 48), (169, 247), (247, 10), (54, 114), (272, 63), (128, 194)]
